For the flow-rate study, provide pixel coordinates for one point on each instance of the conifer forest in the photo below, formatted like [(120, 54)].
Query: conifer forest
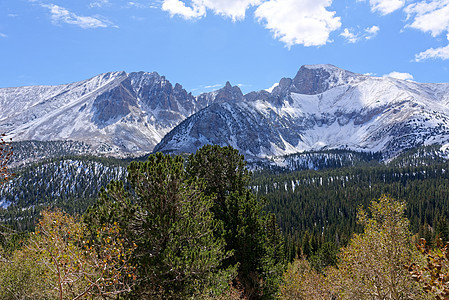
[(210, 226)]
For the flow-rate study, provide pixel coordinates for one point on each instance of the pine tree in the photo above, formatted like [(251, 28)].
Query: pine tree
[(255, 242), (167, 215)]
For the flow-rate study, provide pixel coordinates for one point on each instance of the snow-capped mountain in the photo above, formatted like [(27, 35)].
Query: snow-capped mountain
[(322, 107), (113, 113)]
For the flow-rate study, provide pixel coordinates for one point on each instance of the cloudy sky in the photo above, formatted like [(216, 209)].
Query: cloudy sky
[(201, 44)]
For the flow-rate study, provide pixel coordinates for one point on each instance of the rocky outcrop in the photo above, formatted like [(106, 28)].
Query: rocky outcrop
[(323, 107), (115, 113), (113, 104)]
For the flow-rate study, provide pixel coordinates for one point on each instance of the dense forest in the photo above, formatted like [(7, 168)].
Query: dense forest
[(323, 203), (318, 202), (70, 183), (204, 226)]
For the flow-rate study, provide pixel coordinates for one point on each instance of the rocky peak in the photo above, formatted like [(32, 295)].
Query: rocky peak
[(139, 79), (283, 87), (229, 93), (112, 75), (178, 87), (316, 79), (260, 95), (113, 104)]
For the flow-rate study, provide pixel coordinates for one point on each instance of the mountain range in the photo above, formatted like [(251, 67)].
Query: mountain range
[(114, 113), (321, 108)]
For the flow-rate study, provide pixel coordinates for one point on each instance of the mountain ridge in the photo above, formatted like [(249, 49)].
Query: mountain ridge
[(114, 112), (321, 107)]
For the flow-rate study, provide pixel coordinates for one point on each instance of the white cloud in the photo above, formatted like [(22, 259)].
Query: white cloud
[(367, 34), (349, 36), (62, 15), (385, 7), (2, 35), (371, 32), (433, 53), (176, 7), (218, 85), (305, 22), (399, 75), (269, 90), (140, 5), (430, 17), (99, 3), (234, 9)]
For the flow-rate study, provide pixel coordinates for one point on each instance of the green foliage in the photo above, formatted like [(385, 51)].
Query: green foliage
[(70, 183), (249, 232), (224, 171), (167, 215), (193, 225), (316, 209), (273, 261), (324, 203), (21, 277), (324, 257)]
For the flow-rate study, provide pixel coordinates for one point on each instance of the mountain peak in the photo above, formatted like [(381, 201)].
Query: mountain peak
[(328, 67), (229, 93), (316, 79)]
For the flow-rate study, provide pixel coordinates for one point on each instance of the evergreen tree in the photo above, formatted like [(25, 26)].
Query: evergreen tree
[(167, 215), (256, 242)]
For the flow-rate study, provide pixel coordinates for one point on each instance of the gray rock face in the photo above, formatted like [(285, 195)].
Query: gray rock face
[(113, 104), (316, 79), (311, 81), (229, 93), (115, 113), (323, 107), (226, 123)]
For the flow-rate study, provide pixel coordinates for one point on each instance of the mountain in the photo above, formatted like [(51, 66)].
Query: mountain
[(112, 113), (322, 107)]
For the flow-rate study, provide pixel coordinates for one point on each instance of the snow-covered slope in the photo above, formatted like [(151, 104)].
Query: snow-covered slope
[(323, 107), (115, 112)]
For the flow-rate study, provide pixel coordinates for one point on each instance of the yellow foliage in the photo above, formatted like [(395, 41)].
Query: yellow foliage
[(77, 269)]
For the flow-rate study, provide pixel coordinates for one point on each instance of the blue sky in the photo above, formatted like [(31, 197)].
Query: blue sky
[(201, 44)]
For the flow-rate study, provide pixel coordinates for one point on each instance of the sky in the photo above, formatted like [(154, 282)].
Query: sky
[(201, 44)]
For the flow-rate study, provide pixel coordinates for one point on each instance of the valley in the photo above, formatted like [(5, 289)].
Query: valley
[(320, 146)]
